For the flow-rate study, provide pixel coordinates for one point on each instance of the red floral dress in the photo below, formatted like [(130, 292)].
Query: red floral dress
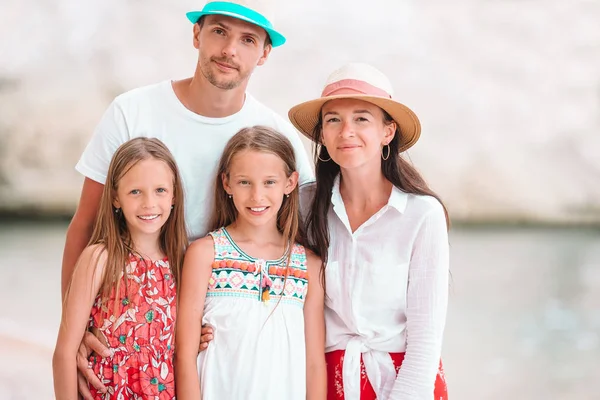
[(141, 334)]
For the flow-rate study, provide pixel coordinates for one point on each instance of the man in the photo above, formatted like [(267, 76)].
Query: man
[(194, 117)]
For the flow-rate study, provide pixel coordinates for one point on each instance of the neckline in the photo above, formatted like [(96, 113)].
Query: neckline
[(397, 200), (174, 100), (249, 257), (138, 257)]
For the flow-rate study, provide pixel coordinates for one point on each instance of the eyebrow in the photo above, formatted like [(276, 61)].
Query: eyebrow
[(353, 112), (228, 28), (162, 184), (240, 176)]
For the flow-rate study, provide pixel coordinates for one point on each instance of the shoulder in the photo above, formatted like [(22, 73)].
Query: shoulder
[(201, 250), (95, 251), (312, 260), (265, 115), (425, 205), (139, 96), (141, 92), (262, 110), (314, 266), (428, 211), (93, 256)]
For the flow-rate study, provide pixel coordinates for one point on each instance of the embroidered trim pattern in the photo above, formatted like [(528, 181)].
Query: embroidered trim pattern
[(251, 267), (235, 274)]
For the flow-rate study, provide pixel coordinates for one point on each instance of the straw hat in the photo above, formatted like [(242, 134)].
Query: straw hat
[(362, 82), (254, 11)]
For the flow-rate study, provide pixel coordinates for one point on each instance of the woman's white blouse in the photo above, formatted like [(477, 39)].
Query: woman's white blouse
[(387, 292)]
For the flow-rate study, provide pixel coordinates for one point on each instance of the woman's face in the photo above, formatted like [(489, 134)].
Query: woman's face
[(354, 133)]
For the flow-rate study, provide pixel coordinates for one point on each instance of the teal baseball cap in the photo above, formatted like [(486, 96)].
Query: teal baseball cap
[(240, 12)]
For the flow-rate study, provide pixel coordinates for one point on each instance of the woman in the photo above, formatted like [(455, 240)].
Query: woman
[(382, 234)]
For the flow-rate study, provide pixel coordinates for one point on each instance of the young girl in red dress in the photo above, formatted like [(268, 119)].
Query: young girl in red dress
[(123, 287)]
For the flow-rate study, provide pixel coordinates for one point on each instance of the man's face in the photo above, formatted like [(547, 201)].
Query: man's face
[(229, 50)]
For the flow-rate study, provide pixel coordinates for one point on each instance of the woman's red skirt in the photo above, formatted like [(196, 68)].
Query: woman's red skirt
[(335, 384)]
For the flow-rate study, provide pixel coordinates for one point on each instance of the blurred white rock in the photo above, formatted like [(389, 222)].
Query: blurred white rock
[(508, 92)]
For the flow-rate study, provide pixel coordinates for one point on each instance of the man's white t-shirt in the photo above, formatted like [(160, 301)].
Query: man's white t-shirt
[(196, 142)]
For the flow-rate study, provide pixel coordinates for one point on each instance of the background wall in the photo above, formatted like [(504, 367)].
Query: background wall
[(508, 92)]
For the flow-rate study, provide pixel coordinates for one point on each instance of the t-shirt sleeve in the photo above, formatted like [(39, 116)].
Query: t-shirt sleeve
[(110, 133), (303, 164)]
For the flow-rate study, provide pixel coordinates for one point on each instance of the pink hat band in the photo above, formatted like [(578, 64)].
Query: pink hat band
[(360, 82), (353, 87)]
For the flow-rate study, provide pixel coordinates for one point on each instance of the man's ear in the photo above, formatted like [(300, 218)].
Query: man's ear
[(266, 51), (197, 29)]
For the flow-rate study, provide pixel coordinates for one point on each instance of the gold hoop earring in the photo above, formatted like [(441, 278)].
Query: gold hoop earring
[(319, 155), (388, 152)]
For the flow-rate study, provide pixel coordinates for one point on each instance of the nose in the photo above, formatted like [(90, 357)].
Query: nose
[(347, 129), (148, 200), (230, 48), (256, 194)]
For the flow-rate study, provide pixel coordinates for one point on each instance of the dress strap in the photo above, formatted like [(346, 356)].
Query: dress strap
[(224, 247), (298, 258)]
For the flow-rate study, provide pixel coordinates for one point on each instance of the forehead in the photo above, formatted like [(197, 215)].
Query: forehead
[(349, 105), (148, 170), (252, 162), (234, 24)]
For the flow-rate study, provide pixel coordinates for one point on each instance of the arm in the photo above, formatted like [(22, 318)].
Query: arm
[(197, 269), (80, 229), (78, 236), (111, 132), (314, 332), (86, 282), (427, 301)]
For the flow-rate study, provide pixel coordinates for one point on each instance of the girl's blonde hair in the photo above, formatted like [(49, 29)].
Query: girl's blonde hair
[(110, 230)]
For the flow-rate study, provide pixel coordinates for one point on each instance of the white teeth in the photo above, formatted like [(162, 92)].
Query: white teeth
[(258, 209), (147, 217)]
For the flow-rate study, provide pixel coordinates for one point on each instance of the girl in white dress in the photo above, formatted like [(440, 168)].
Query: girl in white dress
[(253, 281)]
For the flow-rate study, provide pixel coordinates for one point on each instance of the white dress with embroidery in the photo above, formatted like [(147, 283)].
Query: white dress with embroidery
[(258, 349)]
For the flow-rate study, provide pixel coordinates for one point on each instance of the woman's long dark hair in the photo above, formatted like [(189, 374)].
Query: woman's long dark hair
[(395, 169)]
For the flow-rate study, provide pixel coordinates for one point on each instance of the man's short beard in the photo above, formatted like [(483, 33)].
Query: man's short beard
[(210, 77), (221, 85)]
